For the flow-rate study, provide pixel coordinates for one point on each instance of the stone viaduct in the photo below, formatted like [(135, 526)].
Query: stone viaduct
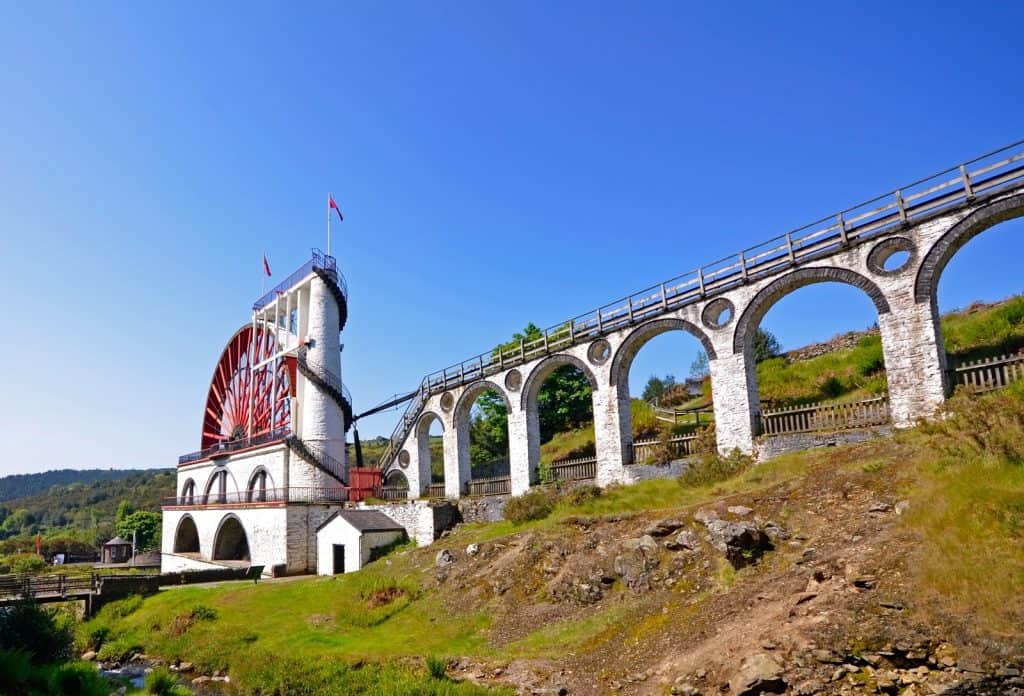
[(894, 248)]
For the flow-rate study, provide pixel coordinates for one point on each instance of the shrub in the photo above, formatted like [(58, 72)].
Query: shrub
[(712, 468), (93, 635), (437, 667), (161, 682), (119, 650), (201, 612), (46, 634), (26, 564), (535, 504), (581, 495), (78, 679)]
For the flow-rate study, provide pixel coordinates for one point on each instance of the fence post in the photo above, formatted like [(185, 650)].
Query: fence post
[(842, 230), (789, 248), (743, 266), (966, 178), (901, 207)]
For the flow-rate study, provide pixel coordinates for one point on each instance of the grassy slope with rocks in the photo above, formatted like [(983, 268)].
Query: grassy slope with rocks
[(895, 561)]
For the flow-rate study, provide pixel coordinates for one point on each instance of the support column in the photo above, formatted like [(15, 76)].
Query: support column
[(608, 435), (456, 459), (733, 389), (521, 473), (915, 360)]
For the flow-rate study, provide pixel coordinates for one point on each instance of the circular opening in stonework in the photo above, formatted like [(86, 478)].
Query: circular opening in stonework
[(891, 256), (403, 459), (599, 352), (513, 380), (718, 313), (447, 401)]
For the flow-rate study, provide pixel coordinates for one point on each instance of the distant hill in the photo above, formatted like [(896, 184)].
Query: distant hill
[(22, 485), (82, 508)]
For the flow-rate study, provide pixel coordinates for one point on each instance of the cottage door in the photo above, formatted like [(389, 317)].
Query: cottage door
[(339, 558)]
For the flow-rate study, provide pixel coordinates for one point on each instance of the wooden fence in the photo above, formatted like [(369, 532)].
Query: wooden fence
[(991, 373), (435, 490), (579, 469), (679, 447), (826, 417), (395, 492), (684, 416), (495, 485)]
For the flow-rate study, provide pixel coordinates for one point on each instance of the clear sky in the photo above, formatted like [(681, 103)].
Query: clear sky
[(497, 163)]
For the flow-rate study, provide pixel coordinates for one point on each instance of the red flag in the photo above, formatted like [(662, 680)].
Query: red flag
[(266, 265), (39, 544), (335, 206)]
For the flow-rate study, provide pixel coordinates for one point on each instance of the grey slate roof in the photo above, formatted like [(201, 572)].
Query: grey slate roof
[(118, 541), (365, 521)]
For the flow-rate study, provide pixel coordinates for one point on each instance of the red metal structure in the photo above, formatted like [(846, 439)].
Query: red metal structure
[(244, 402)]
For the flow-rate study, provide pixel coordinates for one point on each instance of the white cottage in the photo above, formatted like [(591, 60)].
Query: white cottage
[(346, 540)]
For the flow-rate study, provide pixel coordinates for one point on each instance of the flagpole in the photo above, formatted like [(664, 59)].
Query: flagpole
[(263, 275), (328, 223)]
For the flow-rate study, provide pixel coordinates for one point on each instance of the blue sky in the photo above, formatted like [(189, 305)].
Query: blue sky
[(497, 164)]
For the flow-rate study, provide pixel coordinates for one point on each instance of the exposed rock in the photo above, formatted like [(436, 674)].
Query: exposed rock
[(758, 674), (637, 558), (199, 681), (879, 507), (473, 549), (741, 542), (186, 667), (444, 558), (664, 527), (89, 655), (685, 539), (739, 510), (902, 507)]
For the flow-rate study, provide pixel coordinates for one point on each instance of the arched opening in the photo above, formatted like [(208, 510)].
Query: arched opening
[(396, 479), (258, 486), (558, 399), (481, 416), (662, 381), (231, 542), (188, 492), (217, 488), (186, 537), (971, 277), (430, 441), (820, 375)]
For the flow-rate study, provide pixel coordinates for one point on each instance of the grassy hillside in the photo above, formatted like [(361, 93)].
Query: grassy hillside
[(24, 485), (541, 604)]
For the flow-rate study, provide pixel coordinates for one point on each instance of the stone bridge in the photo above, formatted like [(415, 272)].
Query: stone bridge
[(893, 248)]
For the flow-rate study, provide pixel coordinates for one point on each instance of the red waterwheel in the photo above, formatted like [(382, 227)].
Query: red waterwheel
[(244, 402)]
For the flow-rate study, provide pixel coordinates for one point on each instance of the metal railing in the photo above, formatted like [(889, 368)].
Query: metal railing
[(990, 373), (578, 469), (316, 455), (494, 485), (824, 417), (978, 178), (318, 260), (293, 494), (229, 446), (678, 447), (322, 372)]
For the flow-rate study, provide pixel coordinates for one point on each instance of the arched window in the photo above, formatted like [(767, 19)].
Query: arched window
[(258, 487), (188, 492), (217, 488)]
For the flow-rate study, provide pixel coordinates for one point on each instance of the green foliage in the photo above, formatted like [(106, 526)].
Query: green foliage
[(162, 682), (656, 388), (488, 429), (119, 650), (645, 423), (535, 504), (24, 564), (985, 331), (581, 495), (765, 345), (709, 467), (701, 366), (46, 634), (20, 677), (201, 612), (564, 401), (145, 526), (16, 486), (437, 667)]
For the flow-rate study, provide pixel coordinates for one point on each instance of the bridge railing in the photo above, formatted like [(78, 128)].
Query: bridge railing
[(991, 373), (318, 259), (824, 417), (885, 214)]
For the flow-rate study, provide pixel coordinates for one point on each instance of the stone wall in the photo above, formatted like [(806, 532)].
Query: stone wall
[(769, 447), (423, 521)]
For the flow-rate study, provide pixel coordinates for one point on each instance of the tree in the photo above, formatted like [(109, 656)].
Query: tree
[(656, 387), (488, 428), (700, 366), (765, 345), (124, 509), (145, 526)]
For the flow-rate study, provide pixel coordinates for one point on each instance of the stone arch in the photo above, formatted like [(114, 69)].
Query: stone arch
[(470, 394), (427, 419), (545, 367), (764, 300), (636, 340), (230, 543), (215, 488), (186, 536), (188, 491), (940, 253), (259, 483), (460, 422), (395, 477), (422, 443)]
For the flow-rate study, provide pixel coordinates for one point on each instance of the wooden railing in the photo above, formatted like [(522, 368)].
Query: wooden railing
[(435, 490), (579, 469), (394, 492), (495, 485), (826, 417), (679, 447), (991, 373), (702, 415), (888, 214)]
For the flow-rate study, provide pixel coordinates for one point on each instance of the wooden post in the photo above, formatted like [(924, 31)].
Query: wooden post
[(700, 279), (664, 299), (842, 230), (629, 301), (522, 350), (966, 178), (789, 248), (743, 266), (901, 207), (572, 332), (600, 326)]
